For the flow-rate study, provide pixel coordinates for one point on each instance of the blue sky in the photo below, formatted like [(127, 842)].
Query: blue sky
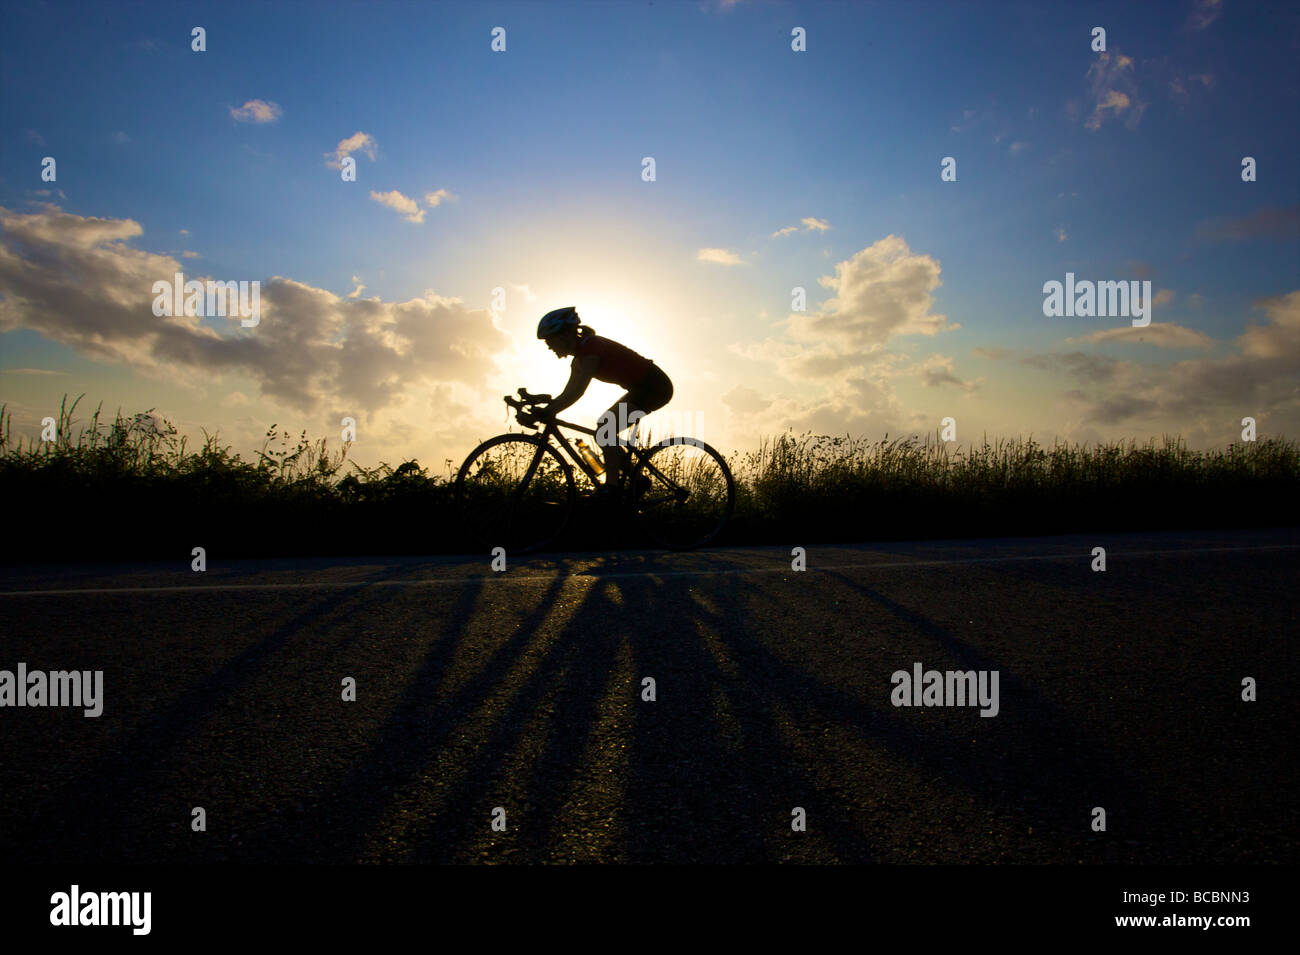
[(522, 170)]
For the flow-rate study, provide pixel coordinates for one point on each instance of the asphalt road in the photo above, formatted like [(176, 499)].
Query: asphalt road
[(523, 690)]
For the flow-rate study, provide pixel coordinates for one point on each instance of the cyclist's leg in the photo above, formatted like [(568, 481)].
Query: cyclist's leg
[(651, 395), (620, 416)]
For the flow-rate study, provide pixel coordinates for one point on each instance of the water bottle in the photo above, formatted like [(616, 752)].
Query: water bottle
[(592, 459)]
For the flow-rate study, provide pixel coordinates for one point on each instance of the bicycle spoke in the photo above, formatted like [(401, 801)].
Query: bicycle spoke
[(684, 494), (512, 498)]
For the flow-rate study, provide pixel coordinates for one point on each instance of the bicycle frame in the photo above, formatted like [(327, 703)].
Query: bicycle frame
[(552, 431)]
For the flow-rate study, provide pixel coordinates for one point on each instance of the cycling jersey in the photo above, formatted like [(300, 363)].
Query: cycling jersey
[(619, 365)]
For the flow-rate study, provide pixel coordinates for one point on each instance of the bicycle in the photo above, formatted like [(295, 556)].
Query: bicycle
[(518, 491)]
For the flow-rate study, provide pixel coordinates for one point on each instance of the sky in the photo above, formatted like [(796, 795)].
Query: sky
[(492, 185)]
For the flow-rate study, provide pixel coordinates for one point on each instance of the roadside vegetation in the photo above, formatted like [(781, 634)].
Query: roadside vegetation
[(133, 487)]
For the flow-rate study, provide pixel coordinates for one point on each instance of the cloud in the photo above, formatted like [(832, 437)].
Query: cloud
[(810, 224), (1204, 12), (1117, 409), (357, 142), (1061, 234), (994, 353), (525, 291), (937, 370), (882, 291), (190, 255), (743, 400), (1091, 368), (34, 137), (356, 292), (434, 199), (1017, 147), (1160, 334), (121, 138), (1281, 337), (969, 120), (719, 257), (1112, 90), (30, 371), (409, 208), (1199, 394), (1180, 87), (76, 280), (1267, 222), (837, 355), (998, 126), (256, 111)]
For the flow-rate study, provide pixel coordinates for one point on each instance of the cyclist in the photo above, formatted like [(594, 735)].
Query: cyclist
[(648, 388)]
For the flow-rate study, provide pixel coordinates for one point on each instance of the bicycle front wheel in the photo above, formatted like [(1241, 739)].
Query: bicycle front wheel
[(682, 493), (515, 491)]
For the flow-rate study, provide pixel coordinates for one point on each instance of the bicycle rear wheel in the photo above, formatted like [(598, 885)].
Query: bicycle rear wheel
[(515, 491), (682, 493)]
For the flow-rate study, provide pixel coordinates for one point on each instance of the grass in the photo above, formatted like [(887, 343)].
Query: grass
[(132, 488)]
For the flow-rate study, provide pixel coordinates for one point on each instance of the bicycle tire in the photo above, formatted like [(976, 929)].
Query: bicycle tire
[(503, 506), (694, 510)]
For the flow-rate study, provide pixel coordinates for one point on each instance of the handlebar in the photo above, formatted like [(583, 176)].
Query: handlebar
[(524, 408)]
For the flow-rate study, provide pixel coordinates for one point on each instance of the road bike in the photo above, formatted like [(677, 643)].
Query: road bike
[(518, 491)]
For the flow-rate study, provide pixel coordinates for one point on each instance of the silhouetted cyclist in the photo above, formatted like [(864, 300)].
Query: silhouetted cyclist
[(648, 388)]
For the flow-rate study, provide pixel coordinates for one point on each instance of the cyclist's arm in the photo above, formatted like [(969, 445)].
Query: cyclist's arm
[(583, 370)]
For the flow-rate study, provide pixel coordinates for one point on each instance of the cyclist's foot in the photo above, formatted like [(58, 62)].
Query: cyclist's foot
[(606, 492)]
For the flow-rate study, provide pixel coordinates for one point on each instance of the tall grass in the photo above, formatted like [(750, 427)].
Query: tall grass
[(132, 487)]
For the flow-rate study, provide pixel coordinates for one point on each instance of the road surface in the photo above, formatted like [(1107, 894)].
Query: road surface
[(773, 693)]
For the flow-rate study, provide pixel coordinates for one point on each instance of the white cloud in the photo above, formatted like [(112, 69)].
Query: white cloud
[(76, 280), (810, 224), (719, 257), (1160, 334), (357, 142), (882, 291), (1200, 398), (744, 400), (256, 111), (409, 208), (938, 370), (434, 199)]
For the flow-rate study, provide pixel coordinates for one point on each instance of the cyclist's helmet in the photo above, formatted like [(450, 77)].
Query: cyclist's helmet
[(556, 321)]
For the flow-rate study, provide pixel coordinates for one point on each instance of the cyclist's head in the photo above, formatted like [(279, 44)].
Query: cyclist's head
[(558, 322)]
